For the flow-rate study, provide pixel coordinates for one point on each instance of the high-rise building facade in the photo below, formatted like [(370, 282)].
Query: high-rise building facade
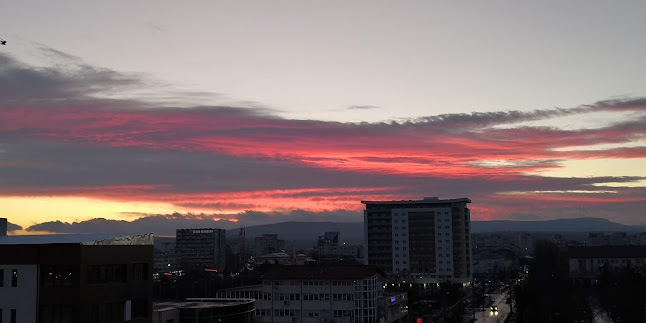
[(200, 249), (427, 240)]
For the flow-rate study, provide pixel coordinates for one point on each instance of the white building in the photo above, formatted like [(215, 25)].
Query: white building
[(340, 294), (18, 293), (427, 240)]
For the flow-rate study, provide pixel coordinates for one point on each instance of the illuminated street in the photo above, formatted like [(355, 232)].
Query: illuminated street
[(500, 316)]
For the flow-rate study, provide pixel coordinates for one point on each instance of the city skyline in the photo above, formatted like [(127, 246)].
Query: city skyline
[(277, 119)]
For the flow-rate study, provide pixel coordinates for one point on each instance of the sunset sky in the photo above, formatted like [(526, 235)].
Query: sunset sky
[(167, 114)]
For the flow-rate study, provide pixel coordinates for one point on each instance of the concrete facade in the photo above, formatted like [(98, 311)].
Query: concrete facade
[(199, 249), (428, 240), (19, 292), (315, 294)]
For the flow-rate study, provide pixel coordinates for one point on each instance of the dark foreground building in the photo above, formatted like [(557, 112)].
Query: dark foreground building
[(76, 278)]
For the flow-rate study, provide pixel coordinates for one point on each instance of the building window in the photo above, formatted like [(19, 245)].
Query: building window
[(106, 274), (13, 315), (140, 308), (140, 271), (1, 284), (58, 275), (55, 313), (14, 279)]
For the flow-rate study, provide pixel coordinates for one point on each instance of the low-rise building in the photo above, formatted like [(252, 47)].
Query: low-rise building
[(340, 294), (282, 258), (331, 249), (393, 307), (586, 263)]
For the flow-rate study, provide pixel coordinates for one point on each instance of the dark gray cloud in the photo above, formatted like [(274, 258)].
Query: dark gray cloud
[(13, 227), (22, 83), (363, 107), (31, 165)]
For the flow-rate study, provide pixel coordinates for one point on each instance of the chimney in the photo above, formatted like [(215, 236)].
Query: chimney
[(3, 227)]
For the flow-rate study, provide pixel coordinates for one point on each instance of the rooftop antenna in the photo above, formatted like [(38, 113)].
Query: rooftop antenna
[(3, 42)]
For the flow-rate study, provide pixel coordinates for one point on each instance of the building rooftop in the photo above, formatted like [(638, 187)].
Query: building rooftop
[(84, 239), (341, 272), (607, 252), (426, 200), (201, 303)]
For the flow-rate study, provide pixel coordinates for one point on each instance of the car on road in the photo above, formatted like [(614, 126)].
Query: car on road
[(494, 308)]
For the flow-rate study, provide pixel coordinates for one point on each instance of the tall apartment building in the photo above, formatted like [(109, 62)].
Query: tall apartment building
[(200, 249), (427, 240), (76, 278)]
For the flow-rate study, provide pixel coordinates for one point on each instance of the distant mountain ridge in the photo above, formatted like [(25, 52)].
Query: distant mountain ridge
[(559, 225), (352, 232)]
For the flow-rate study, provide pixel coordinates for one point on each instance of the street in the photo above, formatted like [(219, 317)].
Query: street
[(503, 311)]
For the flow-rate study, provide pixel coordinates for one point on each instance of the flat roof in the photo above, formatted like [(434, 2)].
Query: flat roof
[(424, 201), (201, 303), (85, 239), (341, 272)]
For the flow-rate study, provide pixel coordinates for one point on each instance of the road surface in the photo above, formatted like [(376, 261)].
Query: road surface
[(500, 316)]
